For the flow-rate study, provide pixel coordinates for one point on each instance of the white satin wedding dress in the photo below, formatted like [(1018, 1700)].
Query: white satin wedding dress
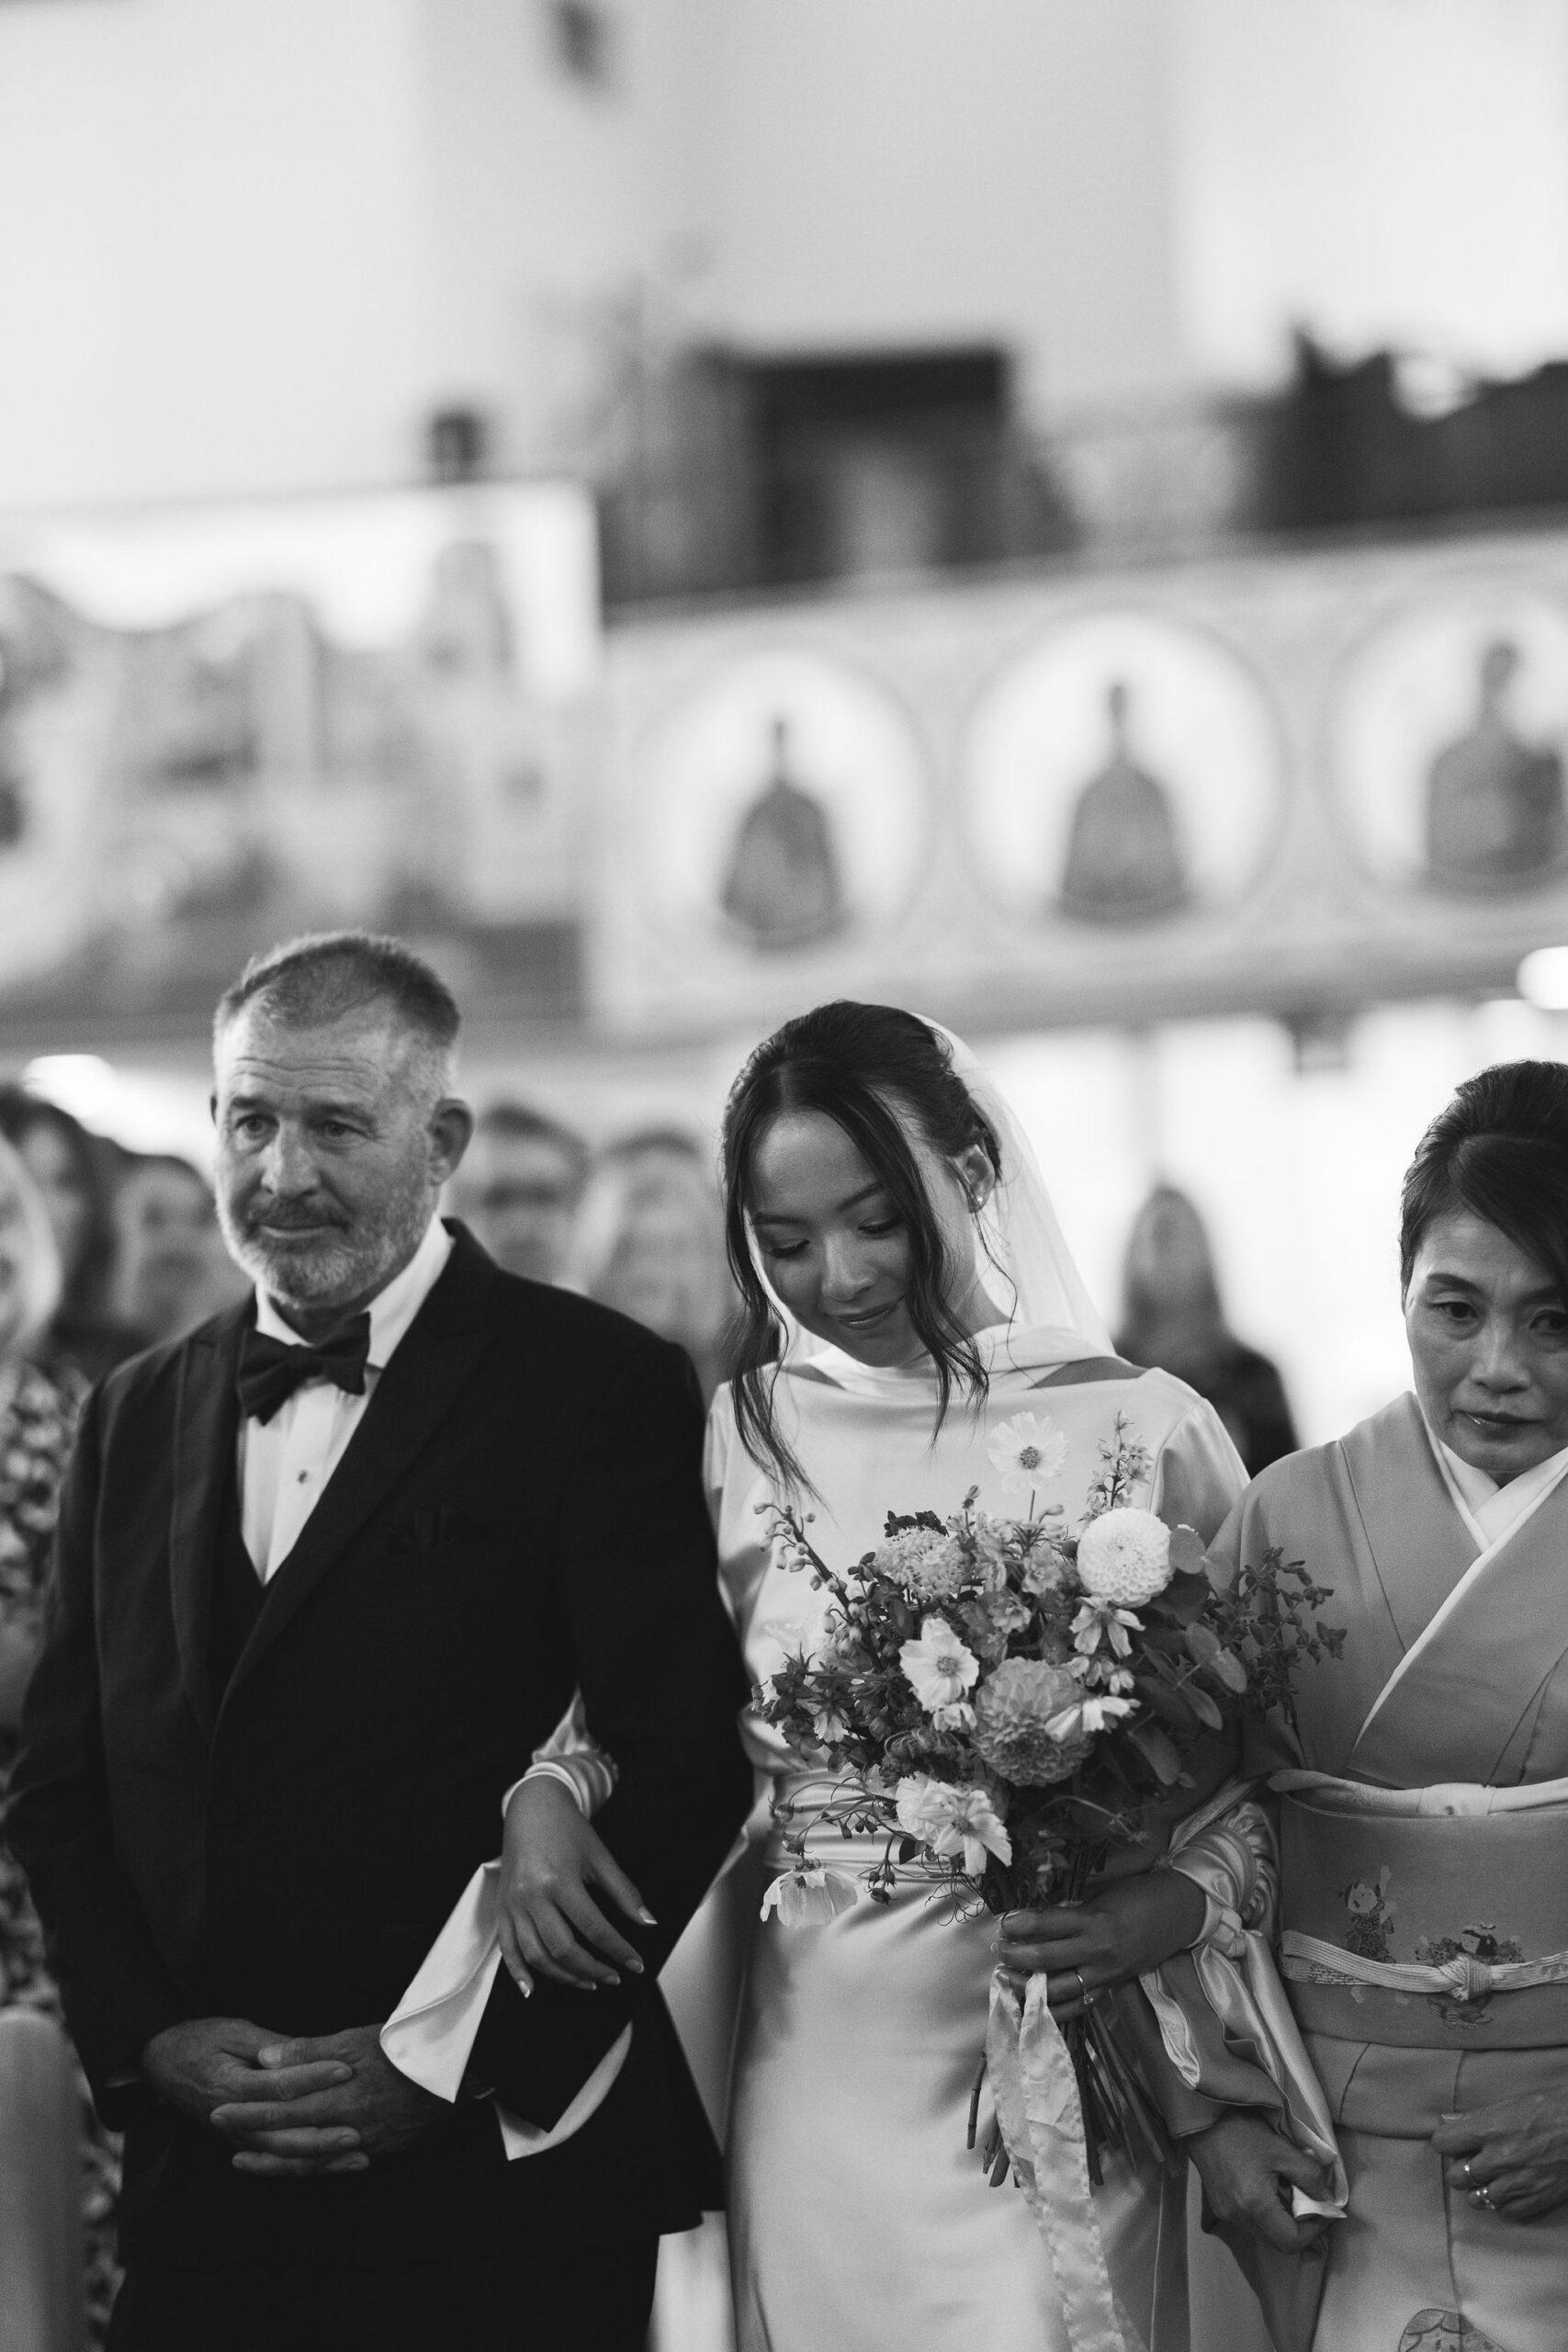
[(859, 2219)]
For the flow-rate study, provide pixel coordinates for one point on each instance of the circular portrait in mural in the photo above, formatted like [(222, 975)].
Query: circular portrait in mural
[(784, 805), (1449, 737), (1123, 773)]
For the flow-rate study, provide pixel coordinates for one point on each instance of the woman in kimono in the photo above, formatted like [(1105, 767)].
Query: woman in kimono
[(1423, 1786), (908, 1301)]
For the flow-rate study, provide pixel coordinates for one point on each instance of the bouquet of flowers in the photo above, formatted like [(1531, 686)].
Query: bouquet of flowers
[(999, 1702)]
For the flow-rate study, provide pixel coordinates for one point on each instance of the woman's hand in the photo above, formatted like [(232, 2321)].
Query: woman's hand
[(552, 1861), (1248, 2170), (1512, 2158), (1121, 1930)]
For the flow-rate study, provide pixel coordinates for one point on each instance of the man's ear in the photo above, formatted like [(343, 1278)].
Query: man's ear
[(451, 1131)]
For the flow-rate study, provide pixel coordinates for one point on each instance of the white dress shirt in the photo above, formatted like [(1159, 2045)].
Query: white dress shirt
[(285, 1463)]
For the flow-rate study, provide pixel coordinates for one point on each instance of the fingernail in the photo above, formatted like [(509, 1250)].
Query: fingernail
[(636, 1967), (645, 1916)]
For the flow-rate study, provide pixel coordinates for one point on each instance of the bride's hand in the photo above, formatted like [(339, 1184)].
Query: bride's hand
[(552, 1863), (1118, 1931)]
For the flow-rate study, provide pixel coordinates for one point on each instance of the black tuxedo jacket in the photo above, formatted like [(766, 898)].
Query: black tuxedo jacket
[(519, 1510)]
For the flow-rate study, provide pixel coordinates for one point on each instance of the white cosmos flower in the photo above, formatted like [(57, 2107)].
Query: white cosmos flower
[(1028, 1451), (809, 1896), (953, 1821), (940, 1669)]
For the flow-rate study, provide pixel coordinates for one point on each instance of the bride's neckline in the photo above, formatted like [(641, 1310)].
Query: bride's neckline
[(1002, 1349)]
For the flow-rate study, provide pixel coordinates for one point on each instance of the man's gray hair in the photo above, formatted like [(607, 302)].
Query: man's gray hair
[(321, 978)]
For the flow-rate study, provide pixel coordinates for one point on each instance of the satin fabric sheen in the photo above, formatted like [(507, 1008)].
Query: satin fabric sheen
[(859, 2219)]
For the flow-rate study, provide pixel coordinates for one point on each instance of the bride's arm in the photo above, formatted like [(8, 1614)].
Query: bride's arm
[(554, 1864)]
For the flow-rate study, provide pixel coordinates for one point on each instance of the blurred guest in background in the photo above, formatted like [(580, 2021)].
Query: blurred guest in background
[(75, 1174), (38, 1407), (1172, 1317), (520, 1189), (171, 1270), (649, 1240)]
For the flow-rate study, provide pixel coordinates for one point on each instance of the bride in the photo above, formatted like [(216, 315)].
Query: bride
[(909, 1306)]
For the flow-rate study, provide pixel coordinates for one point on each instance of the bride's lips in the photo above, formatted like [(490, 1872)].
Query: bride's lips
[(869, 1319)]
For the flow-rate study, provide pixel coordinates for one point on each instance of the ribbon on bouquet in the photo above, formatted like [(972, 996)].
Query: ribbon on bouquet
[(1036, 2097)]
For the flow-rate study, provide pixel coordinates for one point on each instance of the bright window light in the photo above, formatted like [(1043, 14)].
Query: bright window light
[(1543, 979)]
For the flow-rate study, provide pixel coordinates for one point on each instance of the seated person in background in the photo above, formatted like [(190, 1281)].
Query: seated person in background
[(171, 1270), (1173, 1317), (520, 1187), (75, 1172), (650, 1241)]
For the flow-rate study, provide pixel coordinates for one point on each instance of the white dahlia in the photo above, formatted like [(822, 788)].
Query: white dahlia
[(1014, 1710), (1124, 1558)]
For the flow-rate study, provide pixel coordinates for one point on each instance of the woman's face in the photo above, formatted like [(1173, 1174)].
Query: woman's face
[(833, 1245), (1488, 1336), (50, 1162)]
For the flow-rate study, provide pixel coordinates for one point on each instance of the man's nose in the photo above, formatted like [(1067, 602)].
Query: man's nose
[(288, 1165)]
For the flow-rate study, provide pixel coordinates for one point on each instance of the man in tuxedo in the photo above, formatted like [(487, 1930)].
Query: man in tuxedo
[(329, 1570)]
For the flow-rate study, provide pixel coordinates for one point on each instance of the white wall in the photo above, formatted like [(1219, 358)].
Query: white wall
[(891, 170), (249, 244), (207, 210), (1383, 170)]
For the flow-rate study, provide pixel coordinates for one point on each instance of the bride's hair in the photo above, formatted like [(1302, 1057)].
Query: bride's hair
[(860, 1064)]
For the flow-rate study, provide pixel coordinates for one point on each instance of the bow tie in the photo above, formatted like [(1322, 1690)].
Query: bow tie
[(271, 1370)]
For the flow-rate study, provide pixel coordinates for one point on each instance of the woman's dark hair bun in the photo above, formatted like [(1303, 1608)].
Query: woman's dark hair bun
[(1499, 1150)]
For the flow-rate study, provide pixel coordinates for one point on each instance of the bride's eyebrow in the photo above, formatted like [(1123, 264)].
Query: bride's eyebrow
[(785, 1216)]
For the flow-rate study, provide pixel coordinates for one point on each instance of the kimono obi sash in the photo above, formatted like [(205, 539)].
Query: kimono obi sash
[(1426, 1918)]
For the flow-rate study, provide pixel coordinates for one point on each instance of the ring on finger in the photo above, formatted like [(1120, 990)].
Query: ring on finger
[(1481, 2198), (1083, 1988)]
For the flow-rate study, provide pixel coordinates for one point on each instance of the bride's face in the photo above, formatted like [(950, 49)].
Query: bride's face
[(833, 1244)]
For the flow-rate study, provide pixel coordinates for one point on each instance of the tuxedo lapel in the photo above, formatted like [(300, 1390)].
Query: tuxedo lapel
[(206, 1417), (414, 1397)]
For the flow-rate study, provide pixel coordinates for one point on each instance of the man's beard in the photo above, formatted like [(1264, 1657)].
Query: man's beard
[(327, 1262)]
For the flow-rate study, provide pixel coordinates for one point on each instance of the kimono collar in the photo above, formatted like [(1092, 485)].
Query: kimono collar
[(1488, 1510)]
